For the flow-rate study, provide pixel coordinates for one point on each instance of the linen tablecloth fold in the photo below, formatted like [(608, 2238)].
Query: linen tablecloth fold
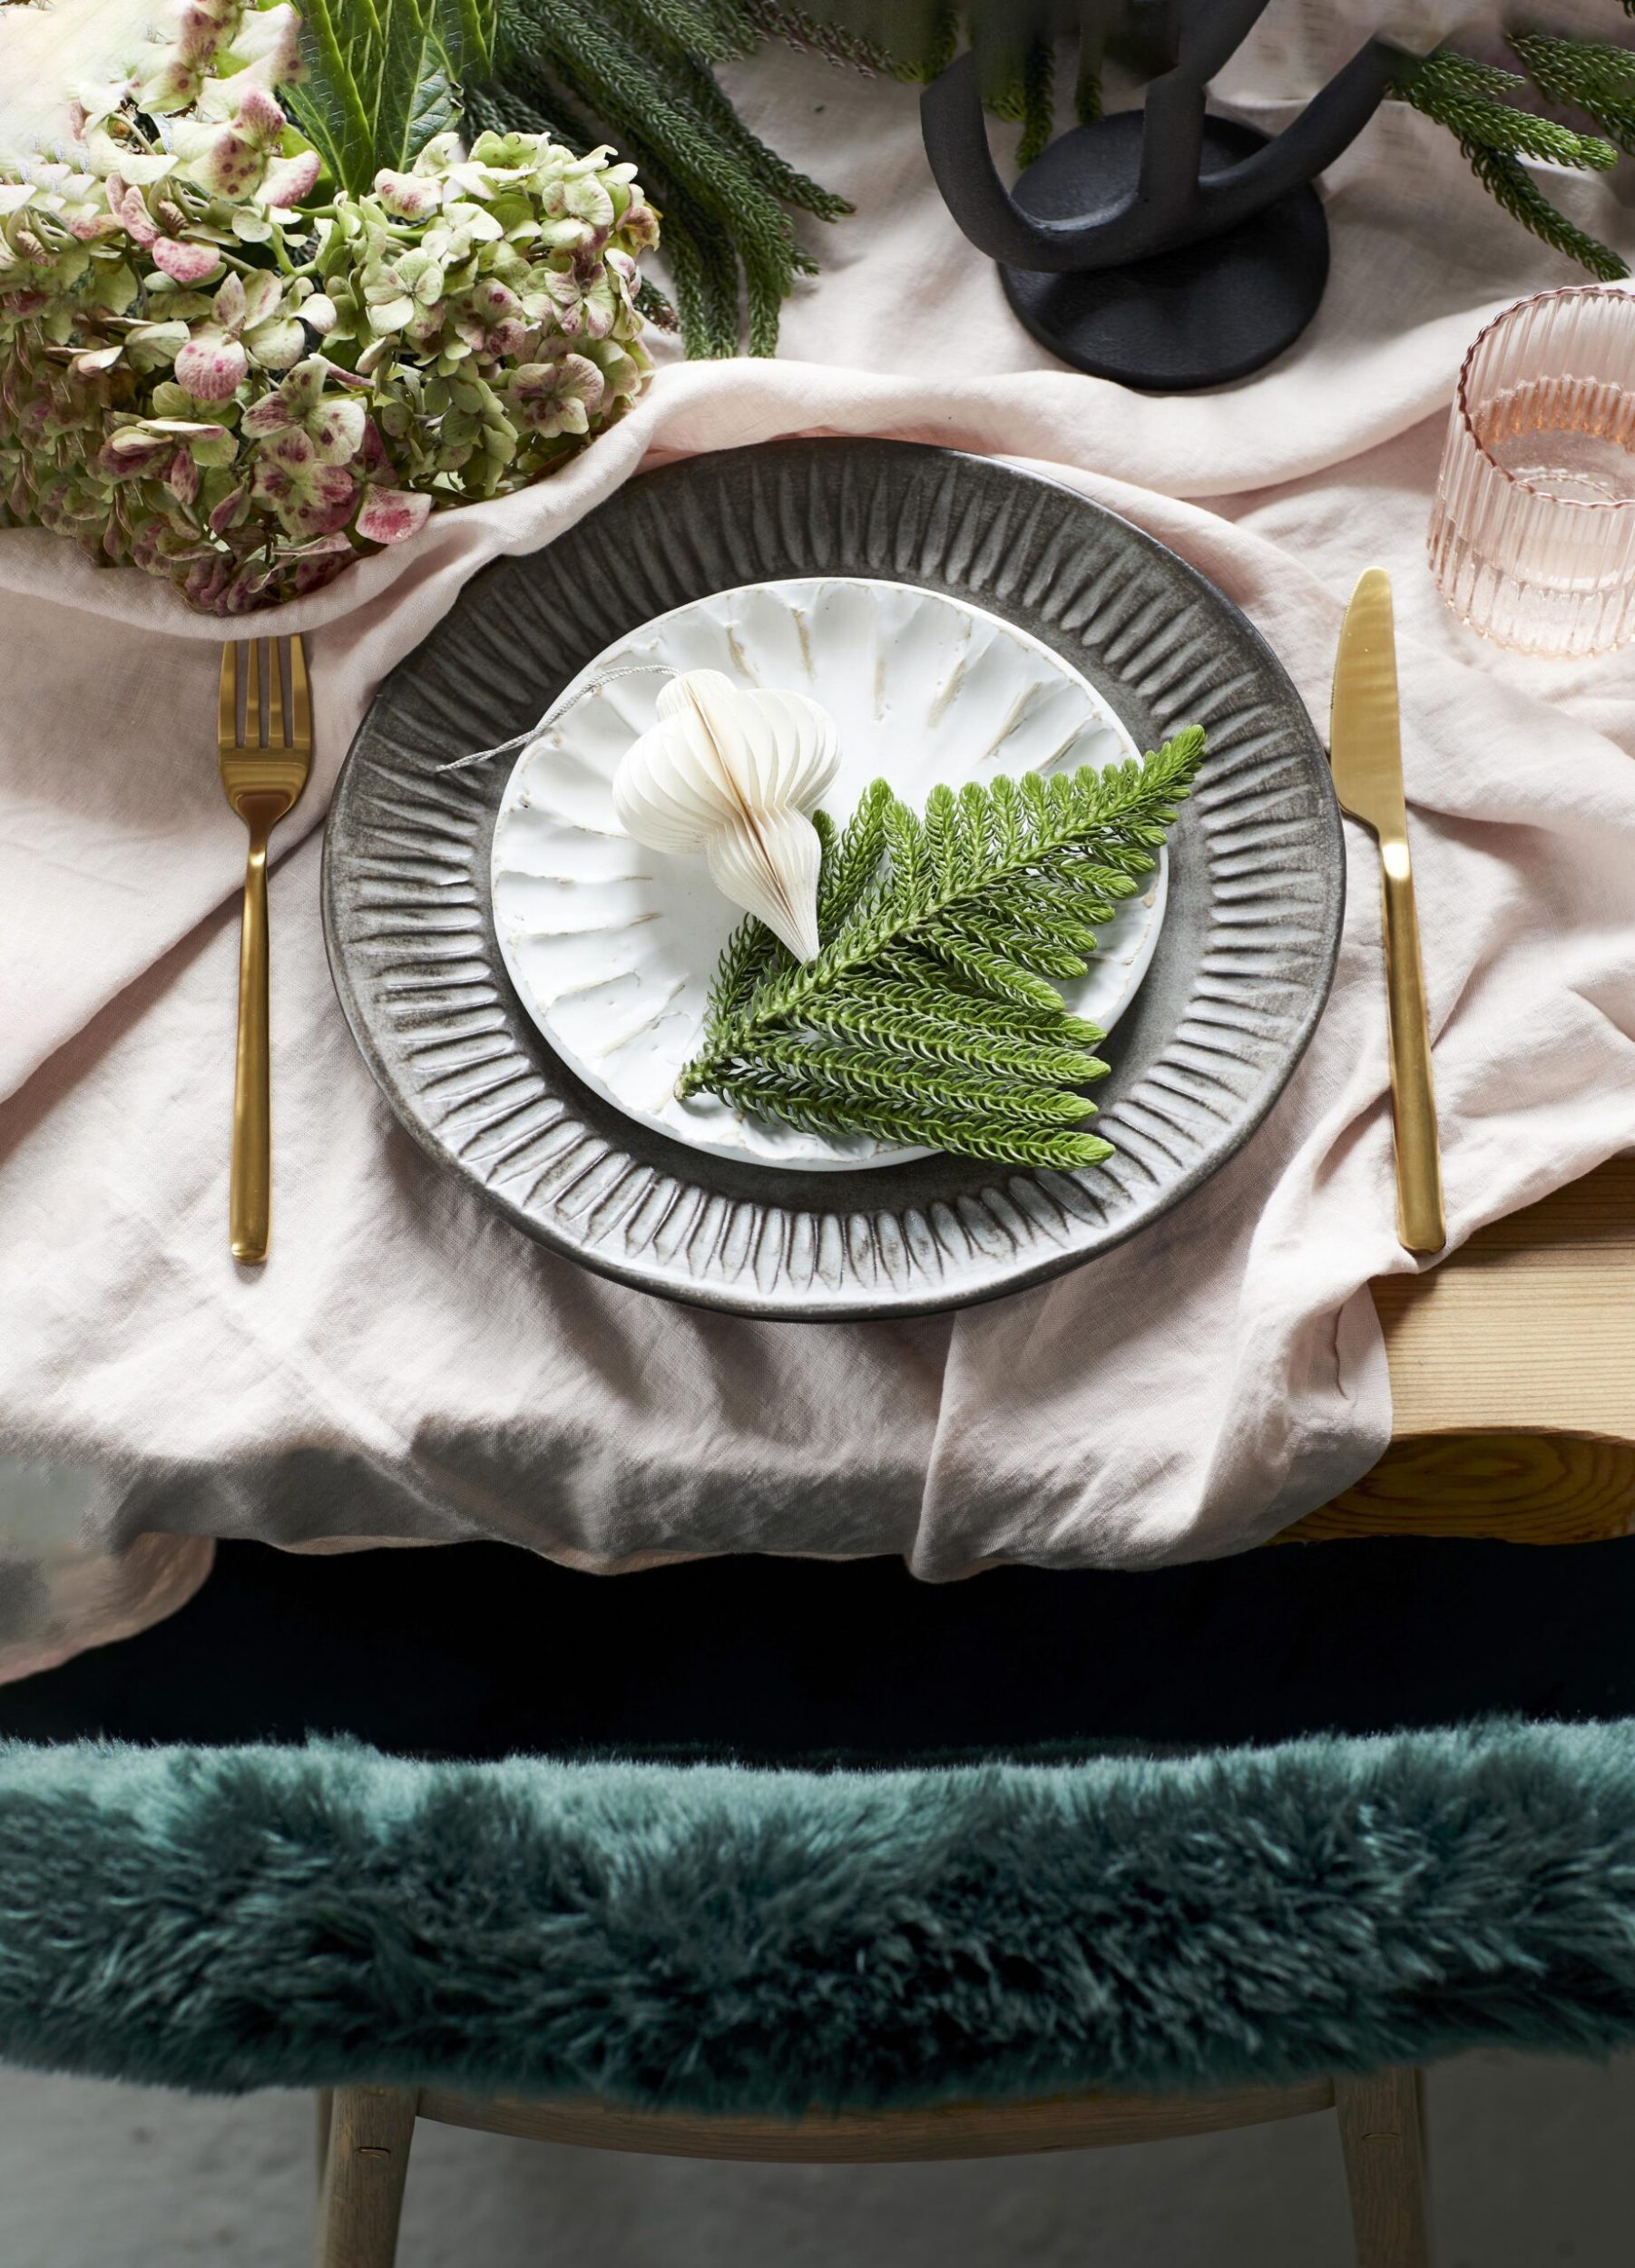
[(408, 1367)]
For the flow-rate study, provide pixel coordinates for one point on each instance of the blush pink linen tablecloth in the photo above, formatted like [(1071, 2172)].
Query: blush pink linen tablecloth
[(410, 1368)]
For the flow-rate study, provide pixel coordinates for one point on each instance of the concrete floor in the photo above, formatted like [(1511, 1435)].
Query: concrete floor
[(1532, 2165)]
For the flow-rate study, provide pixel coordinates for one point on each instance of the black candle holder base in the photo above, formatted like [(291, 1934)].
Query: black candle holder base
[(1201, 316)]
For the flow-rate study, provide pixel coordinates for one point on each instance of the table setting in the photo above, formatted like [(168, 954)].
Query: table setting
[(860, 951)]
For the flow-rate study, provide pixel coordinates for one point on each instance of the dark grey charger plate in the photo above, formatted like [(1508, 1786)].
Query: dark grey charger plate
[(1244, 960)]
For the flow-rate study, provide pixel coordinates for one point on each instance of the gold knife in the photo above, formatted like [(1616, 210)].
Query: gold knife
[(1365, 751)]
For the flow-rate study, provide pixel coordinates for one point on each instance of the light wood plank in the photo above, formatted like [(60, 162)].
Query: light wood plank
[(1517, 1488), (1512, 1377), (947, 2130)]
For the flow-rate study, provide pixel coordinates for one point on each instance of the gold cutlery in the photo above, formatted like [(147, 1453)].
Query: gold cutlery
[(266, 755), (1366, 751)]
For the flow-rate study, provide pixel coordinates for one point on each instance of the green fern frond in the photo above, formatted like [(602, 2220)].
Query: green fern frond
[(982, 969), (952, 1091), (713, 30), (1447, 76), (851, 861), (641, 70), (1038, 102), (1512, 186), (749, 957), (872, 1017), (926, 1017), (801, 28), (775, 173), (1002, 1139), (1593, 74), (1466, 96), (1087, 82)]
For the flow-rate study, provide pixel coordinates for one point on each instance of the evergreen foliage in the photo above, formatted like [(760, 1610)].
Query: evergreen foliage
[(1594, 76), (639, 72), (1467, 97), (927, 1017)]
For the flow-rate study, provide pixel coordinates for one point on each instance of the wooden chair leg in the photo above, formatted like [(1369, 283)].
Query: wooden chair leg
[(326, 2115), (1382, 2133), (365, 2166)]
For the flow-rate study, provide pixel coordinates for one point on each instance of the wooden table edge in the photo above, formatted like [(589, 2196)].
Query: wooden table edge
[(1512, 1377)]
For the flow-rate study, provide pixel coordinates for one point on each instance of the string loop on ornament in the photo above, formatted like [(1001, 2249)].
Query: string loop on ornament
[(558, 709)]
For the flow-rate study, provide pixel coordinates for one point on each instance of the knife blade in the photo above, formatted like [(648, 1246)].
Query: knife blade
[(1365, 754)]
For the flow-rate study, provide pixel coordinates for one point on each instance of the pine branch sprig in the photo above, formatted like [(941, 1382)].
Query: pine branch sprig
[(927, 1017), (851, 861), (1595, 75), (1002, 1139), (882, 1017), (751, 956), (921, 990), (639, 68), (1467, 97), (861, 1075), (1116, 819), (1511, 185)]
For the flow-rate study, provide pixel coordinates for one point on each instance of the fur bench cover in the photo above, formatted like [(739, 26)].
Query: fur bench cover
[(715, 1938)]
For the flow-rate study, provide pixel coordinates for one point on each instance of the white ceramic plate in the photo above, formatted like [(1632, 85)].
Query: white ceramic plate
[(611, 947)]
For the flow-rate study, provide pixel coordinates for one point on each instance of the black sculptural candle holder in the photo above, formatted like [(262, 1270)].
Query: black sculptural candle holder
[(1166, 248)]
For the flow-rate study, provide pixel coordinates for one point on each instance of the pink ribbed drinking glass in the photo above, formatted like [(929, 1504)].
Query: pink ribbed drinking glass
[(1532, 532)]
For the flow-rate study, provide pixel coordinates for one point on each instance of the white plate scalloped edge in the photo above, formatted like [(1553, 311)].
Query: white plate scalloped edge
[(611, 947)]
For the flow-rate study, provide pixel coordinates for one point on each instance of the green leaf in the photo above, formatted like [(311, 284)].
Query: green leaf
[(926, 1017), (328, 102), (472, 30), (382, 78), (415, 96)]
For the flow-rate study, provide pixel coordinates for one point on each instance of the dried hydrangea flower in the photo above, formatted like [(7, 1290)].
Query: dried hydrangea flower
[(557, 397), (234, 148), (309, 496), (334, 423), (184, 261), (391, 515), (247, 322), (163, 399)]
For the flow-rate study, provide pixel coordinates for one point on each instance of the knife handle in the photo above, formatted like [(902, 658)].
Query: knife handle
[(1420, 1225)]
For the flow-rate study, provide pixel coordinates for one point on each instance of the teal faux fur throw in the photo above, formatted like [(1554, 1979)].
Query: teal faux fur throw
[(716, 1938)]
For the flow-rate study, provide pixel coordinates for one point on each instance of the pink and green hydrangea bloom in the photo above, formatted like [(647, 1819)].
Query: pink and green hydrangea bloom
[(391, 515), (558, 397), (333, 422), (248, 323), (238, 157), (307, 496), (162, 398)]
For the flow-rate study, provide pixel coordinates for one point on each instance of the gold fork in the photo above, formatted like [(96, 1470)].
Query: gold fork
[(264, 766)]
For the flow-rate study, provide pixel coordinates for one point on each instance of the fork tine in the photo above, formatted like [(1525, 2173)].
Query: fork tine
[(301, 702), (253, 734), (227, 700), (275, 691)]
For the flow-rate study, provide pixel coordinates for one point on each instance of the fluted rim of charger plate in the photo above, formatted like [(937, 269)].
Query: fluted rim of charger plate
[(1236, 988)]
